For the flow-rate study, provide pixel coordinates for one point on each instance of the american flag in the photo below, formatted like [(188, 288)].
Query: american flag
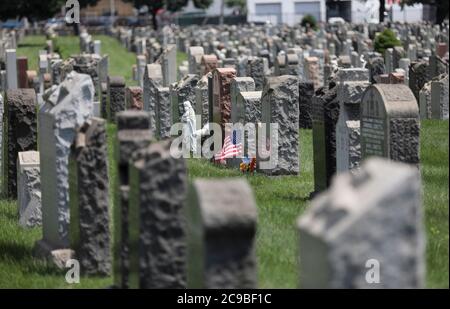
[(230, 148)]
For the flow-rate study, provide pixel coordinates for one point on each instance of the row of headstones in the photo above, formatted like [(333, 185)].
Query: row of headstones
[(206, 237)]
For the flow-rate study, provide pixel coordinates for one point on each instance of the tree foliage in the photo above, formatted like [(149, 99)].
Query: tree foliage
[(309, 20), (35, 9), (241, 4), (385, 40)]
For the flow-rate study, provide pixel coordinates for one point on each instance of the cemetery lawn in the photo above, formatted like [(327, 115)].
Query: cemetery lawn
[(280, 201)]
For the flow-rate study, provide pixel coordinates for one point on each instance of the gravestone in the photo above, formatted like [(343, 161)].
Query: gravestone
[(238, 85), (183, 90), (153, 78), (66, 108), (325, 115), (221, 217), (306, 93), (390, 123), (279, 105), (140, 69), (247, 111), (208, 63), (116, 96), (19, 133), (22, 67), (157, 223), (133, 133), (352, 84), (163, 112), (29, 189), (417, 77), (11, 69), (221, 96), (169, 65), (133, 98), (312, 71), (376, 68), (373, 217), (195, 54), (255, 70), (439, 99), (202, 100), (89, 198)]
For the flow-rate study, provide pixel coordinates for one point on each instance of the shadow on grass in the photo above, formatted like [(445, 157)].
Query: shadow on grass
[(23, 256), (25, 45)]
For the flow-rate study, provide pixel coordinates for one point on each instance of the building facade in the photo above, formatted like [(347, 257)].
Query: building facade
[(285, 11)]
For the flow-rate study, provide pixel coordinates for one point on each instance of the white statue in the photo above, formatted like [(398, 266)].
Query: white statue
[(189, 126), (190, 134)]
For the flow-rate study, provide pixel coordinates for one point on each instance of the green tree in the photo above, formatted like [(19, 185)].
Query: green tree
[(37, 9), (309, 21), (241, 4), (442, 7), (385, 40)]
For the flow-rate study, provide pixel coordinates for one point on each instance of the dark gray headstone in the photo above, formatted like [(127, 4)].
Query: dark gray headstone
[(89, 198), (222, 218), (19, 133), (158, 186), (116, 96), (133, 133)]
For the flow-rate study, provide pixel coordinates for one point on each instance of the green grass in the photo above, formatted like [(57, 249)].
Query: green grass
[(30, 47), (280, 201)]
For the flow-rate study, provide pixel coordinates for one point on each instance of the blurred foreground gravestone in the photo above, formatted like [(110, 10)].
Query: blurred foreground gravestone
[(222, 218), (366, 231), (89, 198), (158, 185), (133, 133)]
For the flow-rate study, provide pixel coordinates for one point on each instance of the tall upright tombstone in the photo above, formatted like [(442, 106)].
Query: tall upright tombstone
[(221, 96), (89, 198), (417, 77), (439, 99), (11, 69), (390, 124), (169, 65), (306, 93), (22, 67), (371, 220), (133, 133), (164, 112), (222, 217), (202, 100), (65, 109), (279, 105), (195, 54), (19, 133), (255, 70), (352, 84), (116, 96), (157, 227), (153, 78), (133, 98), (325, 115)]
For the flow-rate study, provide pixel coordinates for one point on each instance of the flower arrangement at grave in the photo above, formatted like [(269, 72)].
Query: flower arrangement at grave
[(248, 165)]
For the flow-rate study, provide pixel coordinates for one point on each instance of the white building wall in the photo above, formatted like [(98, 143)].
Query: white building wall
[(410, 14), (365, 11), (213, 10), (288, 15)]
